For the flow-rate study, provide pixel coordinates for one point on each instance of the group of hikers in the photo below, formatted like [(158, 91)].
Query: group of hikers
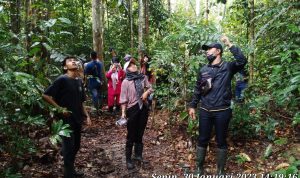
[(115, 75), (130, 87)]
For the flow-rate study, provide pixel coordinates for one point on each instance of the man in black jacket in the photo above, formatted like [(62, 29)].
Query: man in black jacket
[(213, 89)]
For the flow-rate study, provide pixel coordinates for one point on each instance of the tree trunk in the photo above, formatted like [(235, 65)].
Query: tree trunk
[(252, 40), (107, 19), (206, 11), (28, 28), (15, 18), (97, 21), (198, 10), (97, 28), (147, 22), (141, 25), (27, 24), (169, 7), (224, 11), (131, 26), (48, 10), (83, 20)]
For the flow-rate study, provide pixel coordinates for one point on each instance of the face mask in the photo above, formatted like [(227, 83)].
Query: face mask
[(211, 58)]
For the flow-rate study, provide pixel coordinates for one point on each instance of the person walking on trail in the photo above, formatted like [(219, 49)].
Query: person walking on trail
[(93, 74), (115, 77), (67, 94), (213, 89), (134, 92), (241, 85)]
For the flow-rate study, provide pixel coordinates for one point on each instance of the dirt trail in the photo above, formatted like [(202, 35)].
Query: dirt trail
[(167, 151)]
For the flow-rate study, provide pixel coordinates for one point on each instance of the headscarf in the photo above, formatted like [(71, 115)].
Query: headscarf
[(137, 78)]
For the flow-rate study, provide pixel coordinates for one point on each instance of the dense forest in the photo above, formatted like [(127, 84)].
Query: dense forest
[(36, 35)]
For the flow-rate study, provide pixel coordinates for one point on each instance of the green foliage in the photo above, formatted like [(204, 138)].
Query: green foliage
[(192, 128), (175, 56), (276, 85), (281, 141), (291, 171), (243, 122), (9, 173), (296, 119), (268, 151), (58, 129), (20, 98), (241, 159)]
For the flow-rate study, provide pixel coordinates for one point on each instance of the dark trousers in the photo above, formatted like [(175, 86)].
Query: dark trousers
[(137, 121), (240, 86), (70, 147), (220, 120)]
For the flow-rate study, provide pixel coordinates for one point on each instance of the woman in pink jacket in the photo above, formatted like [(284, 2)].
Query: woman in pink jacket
[(114, 76)]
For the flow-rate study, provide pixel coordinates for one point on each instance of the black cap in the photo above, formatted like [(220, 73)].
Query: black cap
[(115, 59), (213, 45)]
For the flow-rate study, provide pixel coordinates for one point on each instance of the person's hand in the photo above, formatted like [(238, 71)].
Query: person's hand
[(113, 69), (192, 113), (88, 121), (226, 41), (119, 66), (65, 112), (145, 96)]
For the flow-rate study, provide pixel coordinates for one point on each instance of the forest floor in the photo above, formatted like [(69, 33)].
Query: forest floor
[(168, 151)]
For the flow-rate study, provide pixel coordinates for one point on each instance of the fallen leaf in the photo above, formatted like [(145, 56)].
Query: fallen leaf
[(190, 157), (247, 157), (282, 165), (89, 165), (268, 151)]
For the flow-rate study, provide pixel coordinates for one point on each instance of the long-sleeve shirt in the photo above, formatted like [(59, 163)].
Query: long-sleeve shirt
[(128, 92), (219, 97)]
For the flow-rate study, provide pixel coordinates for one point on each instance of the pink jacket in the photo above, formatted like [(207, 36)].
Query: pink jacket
[(121, 76)]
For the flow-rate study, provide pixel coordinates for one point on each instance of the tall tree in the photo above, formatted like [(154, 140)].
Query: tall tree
[(207, 10), (83, 19), (146, 18), (141, 22), (131, 26), (169, 7), (97, 27), (146, 3), (252, 40), (15, 18), (198, 9), (28, 28)]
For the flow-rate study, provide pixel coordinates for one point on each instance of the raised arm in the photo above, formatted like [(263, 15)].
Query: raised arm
[(240, 59)]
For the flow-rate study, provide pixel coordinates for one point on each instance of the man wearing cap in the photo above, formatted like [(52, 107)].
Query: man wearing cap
[(213, 89)]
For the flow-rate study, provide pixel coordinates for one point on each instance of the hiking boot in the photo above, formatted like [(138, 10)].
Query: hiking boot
[(138, 152), (128, 153), (201, 152), (78, 174), (221, 161)]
